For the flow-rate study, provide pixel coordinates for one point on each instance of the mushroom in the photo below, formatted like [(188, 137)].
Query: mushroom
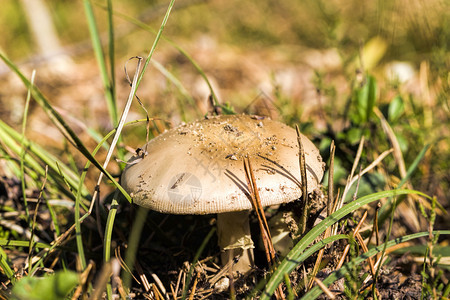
[(197, 168)]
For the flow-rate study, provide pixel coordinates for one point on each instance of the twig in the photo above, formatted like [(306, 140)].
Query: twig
[(302, 163), (41, 191), (347, 247), (178, 284), (264, 227), (256, 203), (194, 286), (331, 180), (324, 288)]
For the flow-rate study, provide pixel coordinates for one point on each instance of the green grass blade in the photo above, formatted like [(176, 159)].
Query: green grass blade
[(82, 177), (11, 138), (79, 219), (291, 260), (386, 209), (12, 243), (305, 255), (111, 50), (108, 234), (414, 165), (97, 45), (156, 41), (316, 291), (133, 244), (23, 152), (290, 292), (64, 128), (5, 265)]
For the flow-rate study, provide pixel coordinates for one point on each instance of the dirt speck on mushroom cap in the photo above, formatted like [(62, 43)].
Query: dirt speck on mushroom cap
[(197, 168)]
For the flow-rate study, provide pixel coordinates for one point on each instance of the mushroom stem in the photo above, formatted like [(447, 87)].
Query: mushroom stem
[(235, 241)]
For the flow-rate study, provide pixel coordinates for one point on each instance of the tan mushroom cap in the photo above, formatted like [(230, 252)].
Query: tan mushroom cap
[(197, 168)]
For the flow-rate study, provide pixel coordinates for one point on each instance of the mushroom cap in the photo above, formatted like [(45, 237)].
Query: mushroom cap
[(197, 168)]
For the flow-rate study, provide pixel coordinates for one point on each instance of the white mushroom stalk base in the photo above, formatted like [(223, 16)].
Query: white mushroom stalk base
[(235, 241)]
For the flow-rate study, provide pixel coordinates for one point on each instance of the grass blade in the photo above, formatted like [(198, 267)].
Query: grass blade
[(4, 265), (157, 38), (65, 129), (316, 291), (292, 259), (12, 138), (386, 209), (97, 45), (13, 243), (306, 254), (23, 152), (133, 244), (108, 234)]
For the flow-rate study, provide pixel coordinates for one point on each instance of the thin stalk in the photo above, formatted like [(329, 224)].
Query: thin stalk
[(331, 180), (33, 226), (133, 244), (118, 131), (97, 45), (23, 152), (111, 49), (302, 162), (158, 37), (108, 234)]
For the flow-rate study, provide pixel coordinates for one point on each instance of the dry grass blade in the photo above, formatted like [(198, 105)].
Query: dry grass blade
[(350, 177), (102, 280), (118, 131), (318, 261), (408, 211), (156, 292), (375, 227), (330, 210), (330, 202), (84, 281), (194, 286), (364, 171), (256, 203), (327, 292), (347, 247), (264, 227), (123, 264), (302, 163), (369, 259), (365, 249), (177, 286), (144, 280)]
